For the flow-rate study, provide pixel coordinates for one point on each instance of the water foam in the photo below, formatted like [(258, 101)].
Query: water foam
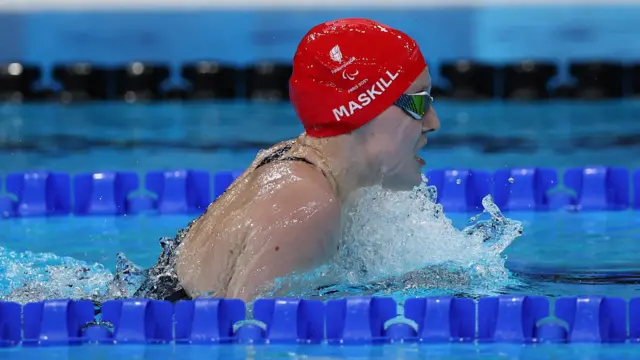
[(30, 277), (403, 242), (398, 243)]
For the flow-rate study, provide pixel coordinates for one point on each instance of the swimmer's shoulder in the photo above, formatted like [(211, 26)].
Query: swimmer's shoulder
[(290, 185), (262, 154), (293, 176), (297, 215)]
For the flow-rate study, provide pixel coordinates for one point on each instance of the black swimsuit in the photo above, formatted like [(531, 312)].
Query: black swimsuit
[(161, 280)]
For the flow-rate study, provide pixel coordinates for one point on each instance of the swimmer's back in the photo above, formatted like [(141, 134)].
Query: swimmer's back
[(246, 236)]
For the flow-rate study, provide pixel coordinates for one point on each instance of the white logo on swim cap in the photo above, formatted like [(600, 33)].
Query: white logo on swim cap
[(349, 76), (336, 54)]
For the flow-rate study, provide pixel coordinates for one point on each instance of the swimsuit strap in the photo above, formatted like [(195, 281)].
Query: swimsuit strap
[(278, 155), (329, 175), (177, 296)]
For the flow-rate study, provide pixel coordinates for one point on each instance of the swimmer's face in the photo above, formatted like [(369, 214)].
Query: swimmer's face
[(394, 139)]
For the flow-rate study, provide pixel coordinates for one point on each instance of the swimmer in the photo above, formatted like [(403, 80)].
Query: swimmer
[(362, 92)]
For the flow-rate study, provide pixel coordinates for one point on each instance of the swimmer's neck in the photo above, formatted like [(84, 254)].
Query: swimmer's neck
[(345, 160)]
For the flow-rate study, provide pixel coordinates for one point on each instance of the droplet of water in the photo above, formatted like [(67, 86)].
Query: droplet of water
[(491, 207), (511, 180), (458, 181)]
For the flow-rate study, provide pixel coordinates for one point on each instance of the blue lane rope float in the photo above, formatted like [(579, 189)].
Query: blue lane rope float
[(347, 321), (47, 193)]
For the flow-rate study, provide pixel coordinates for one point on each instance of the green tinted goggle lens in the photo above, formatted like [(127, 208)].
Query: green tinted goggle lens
[(415, 105)]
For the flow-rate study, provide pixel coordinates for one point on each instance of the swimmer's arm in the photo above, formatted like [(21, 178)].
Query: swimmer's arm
[(299, 233)]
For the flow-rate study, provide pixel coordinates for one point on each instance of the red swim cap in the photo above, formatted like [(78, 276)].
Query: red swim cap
[(348, 71)]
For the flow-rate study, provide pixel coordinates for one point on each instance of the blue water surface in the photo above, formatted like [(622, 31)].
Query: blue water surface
[(308, 352), (223, 136)]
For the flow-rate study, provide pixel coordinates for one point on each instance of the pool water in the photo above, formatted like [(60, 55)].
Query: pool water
[(558, 254), (560, 243), (224, 136), (309, 352)]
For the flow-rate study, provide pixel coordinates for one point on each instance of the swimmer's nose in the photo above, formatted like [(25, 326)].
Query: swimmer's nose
[(430, 122), (432, 116)]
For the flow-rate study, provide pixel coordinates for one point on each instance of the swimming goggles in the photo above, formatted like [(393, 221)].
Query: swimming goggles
[(415, 105)]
